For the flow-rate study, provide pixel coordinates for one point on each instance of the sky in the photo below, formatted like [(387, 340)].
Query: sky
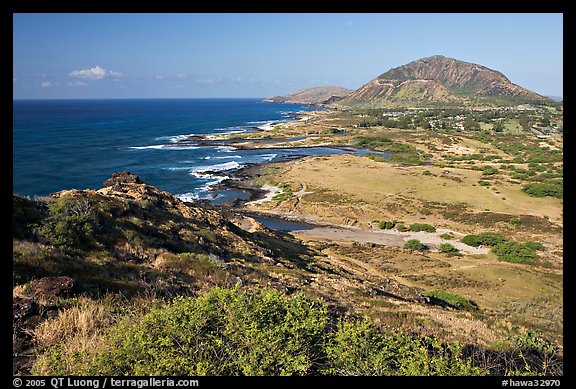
[(71, 56)]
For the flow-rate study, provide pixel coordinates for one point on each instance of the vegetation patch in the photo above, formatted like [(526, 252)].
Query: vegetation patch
[(417, 227), (387, 225), (447, 248), (483, 239), (232, 331), (452, 300), (552, 188), (414, 244), (516, 252)]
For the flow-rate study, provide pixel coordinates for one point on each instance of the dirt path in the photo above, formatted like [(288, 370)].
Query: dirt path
[(386, 237)]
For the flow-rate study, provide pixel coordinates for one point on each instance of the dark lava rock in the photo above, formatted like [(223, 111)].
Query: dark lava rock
[(54, 287), (23, 308), (122, 178)]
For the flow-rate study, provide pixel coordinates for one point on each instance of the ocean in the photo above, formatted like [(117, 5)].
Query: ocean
[(78, 144)]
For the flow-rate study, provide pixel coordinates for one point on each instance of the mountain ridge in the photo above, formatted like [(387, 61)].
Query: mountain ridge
[(315, 95), (439, 79)]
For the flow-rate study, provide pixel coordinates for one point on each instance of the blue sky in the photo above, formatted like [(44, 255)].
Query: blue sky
[(258, 55)]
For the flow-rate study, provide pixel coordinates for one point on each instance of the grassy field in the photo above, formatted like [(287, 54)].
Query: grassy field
[(373, 183)]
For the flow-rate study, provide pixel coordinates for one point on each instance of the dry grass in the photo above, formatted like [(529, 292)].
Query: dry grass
[(78, 333), (379, 186), (83, 320)]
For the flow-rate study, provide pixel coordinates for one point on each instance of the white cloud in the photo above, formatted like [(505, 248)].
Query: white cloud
[(95, 73), (349, 23), (159, 77), (77, 83), (14, 79), (114, 74), (48, 84), (211, 80)]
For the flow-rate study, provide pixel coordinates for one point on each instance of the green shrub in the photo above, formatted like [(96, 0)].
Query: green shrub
[(448, 248), (414, 244), (515, 221), (426, 173), (484, 183), (358, 348), (484, 238), (416, 227), (386, 225), (453, 300), (515, 252), (543, 189), (537, 246), (488, 171), (447, 236), (225, 332), (71, 225), (241, 332)]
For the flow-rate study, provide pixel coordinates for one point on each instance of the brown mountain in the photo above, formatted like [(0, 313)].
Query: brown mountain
[(439, 79), (318, 95)]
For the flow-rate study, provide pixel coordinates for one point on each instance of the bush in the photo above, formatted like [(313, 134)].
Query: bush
[(416, 227), (484, 183), (484, 238), (240, 332), (225, 332), (414, 244), (386, 225), (447, 236), (543, 189), (453, 300), (360, 349), (448, 248), (515, 252), (71, 225), (426, 173), (488, 171), (537, 246)]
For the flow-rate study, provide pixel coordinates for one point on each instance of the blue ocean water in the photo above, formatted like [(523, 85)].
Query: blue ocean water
[(66, 144)]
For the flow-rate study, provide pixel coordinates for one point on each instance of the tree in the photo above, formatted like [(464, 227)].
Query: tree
[(414, 244), (470, 124)]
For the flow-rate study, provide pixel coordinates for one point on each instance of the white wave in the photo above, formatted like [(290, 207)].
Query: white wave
[(263, 122), (268, 157), (217, 179), (226, 149), (188, 196), (164, 147), (147, 147), (215, 168), (231, 130), (176, 138), (225, 157)]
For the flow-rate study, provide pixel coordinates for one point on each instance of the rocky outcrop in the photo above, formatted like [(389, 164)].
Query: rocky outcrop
[(120, 178), (318, 95), (51, 288)]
